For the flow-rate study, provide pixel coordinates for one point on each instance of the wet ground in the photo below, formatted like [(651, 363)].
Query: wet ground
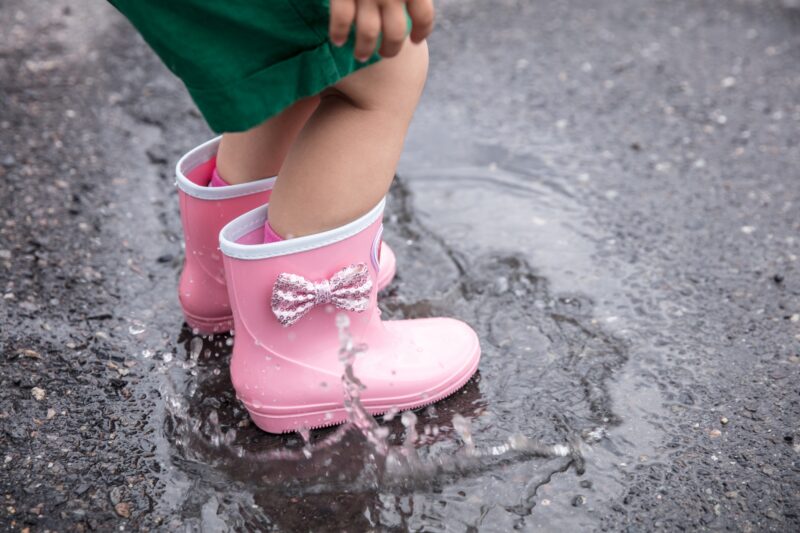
[(634, 279)]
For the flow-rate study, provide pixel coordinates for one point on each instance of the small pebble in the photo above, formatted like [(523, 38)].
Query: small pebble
[(33, 354), (123, 509), (714, 433), (38, 394), (723, 421)]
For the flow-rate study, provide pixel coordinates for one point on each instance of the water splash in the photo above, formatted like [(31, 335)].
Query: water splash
[(356, 412), (358, 455)]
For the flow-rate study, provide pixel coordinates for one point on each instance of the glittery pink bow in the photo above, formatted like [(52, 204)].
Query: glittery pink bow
[(293, 296)]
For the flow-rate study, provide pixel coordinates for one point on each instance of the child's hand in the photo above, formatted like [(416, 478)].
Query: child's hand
[(372, 17)]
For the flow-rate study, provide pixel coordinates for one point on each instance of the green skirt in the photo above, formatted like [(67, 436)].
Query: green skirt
[(244, 61)]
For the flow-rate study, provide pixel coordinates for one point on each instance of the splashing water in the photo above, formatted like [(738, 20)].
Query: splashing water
[(361, 438), (195, 347), (356, 413)]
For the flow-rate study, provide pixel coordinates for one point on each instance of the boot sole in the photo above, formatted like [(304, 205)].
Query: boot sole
[(209, 326), (288, 423)]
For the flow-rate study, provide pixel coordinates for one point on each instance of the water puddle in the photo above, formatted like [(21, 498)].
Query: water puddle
[(536, 410)]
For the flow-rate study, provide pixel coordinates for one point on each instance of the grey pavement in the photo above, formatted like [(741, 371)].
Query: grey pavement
[(609, 192)]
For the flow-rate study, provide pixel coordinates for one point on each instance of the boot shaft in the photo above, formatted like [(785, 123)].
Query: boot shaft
[(252, 271), (204, 211)]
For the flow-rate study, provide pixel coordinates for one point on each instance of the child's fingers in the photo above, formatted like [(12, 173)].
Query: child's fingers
[(422, 15), (394, 28), (368, 26), (342, 14)]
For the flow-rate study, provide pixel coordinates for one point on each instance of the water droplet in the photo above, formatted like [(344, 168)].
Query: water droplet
[(195, 347), (409, 419), (136, 328), (342, 321)]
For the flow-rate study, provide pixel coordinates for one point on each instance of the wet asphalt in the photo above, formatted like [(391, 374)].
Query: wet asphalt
[(634, 277)]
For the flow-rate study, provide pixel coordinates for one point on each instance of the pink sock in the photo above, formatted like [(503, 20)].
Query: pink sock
[(216, 180), (270, 235)]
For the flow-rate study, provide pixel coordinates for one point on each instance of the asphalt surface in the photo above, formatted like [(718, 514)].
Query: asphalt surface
[(634, 277)]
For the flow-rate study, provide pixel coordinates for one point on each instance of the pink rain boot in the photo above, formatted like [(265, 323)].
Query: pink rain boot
[(204, 211), (285, 298)]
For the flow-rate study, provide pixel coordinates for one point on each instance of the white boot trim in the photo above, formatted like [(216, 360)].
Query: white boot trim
[(202, 154), (256, 218)]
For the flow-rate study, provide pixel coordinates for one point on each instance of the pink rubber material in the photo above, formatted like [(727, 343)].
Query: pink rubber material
[(290, 377), (201, 290), (216, 179), (270, 235), (388, 268)]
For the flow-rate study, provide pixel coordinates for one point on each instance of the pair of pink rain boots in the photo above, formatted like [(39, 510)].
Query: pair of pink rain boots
[(282, 299)]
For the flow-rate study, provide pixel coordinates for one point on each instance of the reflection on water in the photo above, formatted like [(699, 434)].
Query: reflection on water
[(533, 412)]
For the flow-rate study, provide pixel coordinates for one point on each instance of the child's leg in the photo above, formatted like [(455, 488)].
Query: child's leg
[(259, 152), (344, 159)]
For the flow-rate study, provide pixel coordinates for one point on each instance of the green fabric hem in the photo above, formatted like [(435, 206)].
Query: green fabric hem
[(247, 103)]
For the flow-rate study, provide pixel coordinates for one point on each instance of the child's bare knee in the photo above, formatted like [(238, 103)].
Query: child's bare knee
[(395, 83)]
